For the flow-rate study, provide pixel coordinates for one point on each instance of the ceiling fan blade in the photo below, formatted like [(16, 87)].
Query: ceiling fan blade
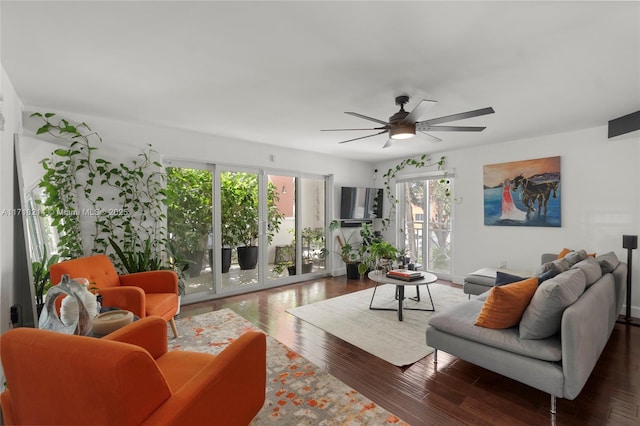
[(419, 110), (364, 137), (425, 127), (388, 144), (355, 114), (460, 116), (343, 130), (431, 137)]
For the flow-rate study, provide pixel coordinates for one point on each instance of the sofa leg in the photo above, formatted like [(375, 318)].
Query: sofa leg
[(553, 404), (172, 323), (435, 356)]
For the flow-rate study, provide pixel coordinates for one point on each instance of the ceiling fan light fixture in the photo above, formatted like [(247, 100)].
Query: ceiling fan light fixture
[(402, 131)]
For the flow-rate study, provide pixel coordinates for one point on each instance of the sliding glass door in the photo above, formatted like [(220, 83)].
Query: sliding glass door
[(241, 229), (190, 226), (296, 246), (425, 222)]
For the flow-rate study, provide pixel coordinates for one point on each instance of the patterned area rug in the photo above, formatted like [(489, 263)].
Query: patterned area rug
[(298, 393)]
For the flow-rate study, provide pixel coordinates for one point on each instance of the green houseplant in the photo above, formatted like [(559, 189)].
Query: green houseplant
[(352, 249), (312, 244), (41, 276), (189, 218), (240, 215), (124, 203), (381, 255), (390, 175)]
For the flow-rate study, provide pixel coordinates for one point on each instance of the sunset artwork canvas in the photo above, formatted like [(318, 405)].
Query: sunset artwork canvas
[(522, 193)]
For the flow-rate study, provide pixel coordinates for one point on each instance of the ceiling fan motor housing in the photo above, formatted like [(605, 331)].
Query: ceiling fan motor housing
[(399, 128), (402, 130)]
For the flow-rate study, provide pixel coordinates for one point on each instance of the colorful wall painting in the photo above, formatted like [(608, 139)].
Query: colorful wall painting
[(522, 193)]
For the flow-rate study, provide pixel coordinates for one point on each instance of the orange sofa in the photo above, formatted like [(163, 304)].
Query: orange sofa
[(143, 293), (129, 378)]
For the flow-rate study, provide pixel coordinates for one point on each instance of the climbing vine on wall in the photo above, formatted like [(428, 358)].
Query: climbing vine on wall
[(424, 161), (125, 202)]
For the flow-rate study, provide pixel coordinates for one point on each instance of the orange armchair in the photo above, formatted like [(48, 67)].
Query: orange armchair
[(143, 293), (129, 378)]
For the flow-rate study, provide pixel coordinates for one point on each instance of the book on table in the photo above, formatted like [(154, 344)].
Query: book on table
[(405, 275)]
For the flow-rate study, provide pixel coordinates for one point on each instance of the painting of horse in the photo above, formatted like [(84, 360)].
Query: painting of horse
[(523, 193)]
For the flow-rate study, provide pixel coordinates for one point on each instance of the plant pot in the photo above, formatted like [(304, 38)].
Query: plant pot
[(352, 271), (195, 269), (247, 257), (226, 259), (306, 268)]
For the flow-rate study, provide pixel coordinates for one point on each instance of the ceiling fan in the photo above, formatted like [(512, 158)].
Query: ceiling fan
[(404, 125)]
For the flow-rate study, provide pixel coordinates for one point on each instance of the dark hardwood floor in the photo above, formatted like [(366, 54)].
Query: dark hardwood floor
[(456, 392)]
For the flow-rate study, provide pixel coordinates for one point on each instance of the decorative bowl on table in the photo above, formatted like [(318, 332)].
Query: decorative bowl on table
[(110, 321)]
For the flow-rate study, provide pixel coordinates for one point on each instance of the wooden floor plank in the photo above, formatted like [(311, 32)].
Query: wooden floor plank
[(451, 392)]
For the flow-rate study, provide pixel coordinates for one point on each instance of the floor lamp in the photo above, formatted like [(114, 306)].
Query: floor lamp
[(630, 242)]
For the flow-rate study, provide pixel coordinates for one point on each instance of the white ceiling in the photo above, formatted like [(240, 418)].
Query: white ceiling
[(278, 72)]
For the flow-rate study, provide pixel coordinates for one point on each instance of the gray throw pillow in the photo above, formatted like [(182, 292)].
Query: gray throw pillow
[(558, 266), (575, 257), (591, 269), (543, 316), (608, 262)]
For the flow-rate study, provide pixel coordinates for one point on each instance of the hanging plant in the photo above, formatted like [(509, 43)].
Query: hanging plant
[(424, 161)]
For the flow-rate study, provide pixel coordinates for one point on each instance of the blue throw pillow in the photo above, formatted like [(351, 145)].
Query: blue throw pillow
[(503, 278), (546, 275)]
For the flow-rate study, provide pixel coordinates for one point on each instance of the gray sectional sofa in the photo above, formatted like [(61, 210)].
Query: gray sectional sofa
[(561, 334)]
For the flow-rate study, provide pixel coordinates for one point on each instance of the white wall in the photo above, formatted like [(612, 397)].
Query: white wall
[(600, 201), (600, 198), (184, 145), (11, 109)]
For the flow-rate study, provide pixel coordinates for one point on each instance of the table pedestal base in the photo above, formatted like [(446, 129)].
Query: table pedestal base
[(400, 297)]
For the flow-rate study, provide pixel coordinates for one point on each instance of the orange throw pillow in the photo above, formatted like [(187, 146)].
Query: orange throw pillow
[(564, 252), (506, 304)]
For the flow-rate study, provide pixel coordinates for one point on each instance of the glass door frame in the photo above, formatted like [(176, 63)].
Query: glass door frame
[(262, 269), (328, 205), (202, 295), (401, 212)]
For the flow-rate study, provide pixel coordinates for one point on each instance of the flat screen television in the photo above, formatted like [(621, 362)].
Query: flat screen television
[(359, 203)]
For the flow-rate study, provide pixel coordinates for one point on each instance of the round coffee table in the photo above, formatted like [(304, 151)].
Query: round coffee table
[(381, 278)]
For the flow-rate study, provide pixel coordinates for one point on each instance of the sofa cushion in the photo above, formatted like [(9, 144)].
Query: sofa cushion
[(608, 262), (591, 269), (504, 305), (459, 321), (543, 317)]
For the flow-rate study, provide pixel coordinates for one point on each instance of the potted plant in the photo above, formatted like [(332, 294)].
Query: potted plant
[(351, 251), (285, 260), (41, 277), (230, 226), (146, 260), (189, 214), (312, 243), (243, 216), (381, 255)]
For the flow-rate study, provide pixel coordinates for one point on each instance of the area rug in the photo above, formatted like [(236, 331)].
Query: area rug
[(380, 333), (297, 392)]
